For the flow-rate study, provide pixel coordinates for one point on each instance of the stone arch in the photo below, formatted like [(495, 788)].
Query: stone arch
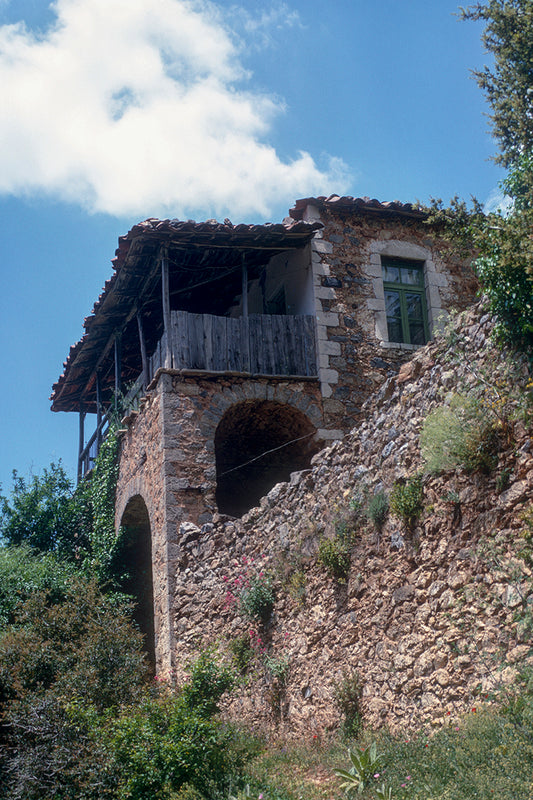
[(258, 443), (135, 557), (310, 404)]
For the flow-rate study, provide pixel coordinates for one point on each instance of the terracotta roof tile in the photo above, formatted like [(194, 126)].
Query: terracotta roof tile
[(357, 204)]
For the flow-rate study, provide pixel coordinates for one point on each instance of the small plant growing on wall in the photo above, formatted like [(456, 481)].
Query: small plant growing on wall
[(252, 592), (298, 586), (257, 597), (378, 510), (347, 693), (406, 501), (461, 434), (242, 652), (277, 674), (334, 552), (334, 555)]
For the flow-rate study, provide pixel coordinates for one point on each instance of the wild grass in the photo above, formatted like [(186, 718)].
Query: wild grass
[(486, 754)]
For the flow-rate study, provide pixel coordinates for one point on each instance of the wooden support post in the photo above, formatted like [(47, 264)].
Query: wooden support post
[(98, 412), (81, 441), (244, 287), (245, 314), (167, 362), (118, 368), (144, 359)]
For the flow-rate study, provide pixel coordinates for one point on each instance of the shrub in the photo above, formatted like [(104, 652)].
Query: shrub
[(64, 654), (334, 555), (208, 680), (461, 435), (40, 513), (162, 745), (406, 501), (347, 693)]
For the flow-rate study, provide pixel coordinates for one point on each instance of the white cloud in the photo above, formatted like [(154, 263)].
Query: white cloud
[(138, 106), (258, 26), (497, 202)]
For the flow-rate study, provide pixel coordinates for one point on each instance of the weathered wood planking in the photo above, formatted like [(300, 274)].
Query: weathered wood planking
[(180, 340), (261, 344), (235, 348)]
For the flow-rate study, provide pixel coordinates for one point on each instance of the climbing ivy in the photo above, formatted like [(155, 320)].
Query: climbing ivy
[(96, 510)]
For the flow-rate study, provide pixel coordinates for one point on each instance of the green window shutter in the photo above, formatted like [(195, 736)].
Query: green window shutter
[(405, 301)]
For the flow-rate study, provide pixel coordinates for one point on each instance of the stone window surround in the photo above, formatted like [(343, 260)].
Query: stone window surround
[(434, 281)]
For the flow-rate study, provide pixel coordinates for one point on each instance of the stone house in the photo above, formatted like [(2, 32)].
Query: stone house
[(242, 350)]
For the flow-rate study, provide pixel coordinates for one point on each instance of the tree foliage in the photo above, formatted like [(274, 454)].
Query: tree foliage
[(508, 85), (23, 572), (47, 514), (41, 512), (503, 240)]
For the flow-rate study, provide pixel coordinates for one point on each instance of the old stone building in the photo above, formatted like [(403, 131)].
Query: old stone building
[(242, 350)]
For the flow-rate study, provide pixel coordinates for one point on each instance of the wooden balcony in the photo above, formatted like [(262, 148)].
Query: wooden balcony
[(257, 345)]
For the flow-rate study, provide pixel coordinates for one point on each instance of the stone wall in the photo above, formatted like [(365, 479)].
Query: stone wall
[(432, 624)]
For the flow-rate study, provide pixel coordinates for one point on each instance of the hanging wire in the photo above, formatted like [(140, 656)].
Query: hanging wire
[(273, 450)]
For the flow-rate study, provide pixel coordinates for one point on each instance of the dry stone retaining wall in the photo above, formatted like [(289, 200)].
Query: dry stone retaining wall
[(432, 625)]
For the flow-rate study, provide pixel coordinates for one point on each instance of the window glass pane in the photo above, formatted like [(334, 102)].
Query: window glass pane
[(391, 274), (414, 306), (417, 333), (392, 300), (394, 320), (395, 330), (412, 276)]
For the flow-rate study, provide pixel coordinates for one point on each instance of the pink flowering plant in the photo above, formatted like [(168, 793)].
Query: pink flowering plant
[(252, 592)]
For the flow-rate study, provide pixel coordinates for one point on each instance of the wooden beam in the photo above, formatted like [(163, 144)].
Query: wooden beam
[(166, 308), (244, 287), (144, 358), (118, 368), (81, 439), (246, 330), (151, 277), (98, 413)]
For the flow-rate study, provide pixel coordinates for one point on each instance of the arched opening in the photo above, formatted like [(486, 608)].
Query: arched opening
[(258, 444), (134, 566)]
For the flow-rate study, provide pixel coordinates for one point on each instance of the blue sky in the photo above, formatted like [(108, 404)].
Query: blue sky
[(119, 110)]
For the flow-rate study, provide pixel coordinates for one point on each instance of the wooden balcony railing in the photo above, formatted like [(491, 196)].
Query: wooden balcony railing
[(259, 344)]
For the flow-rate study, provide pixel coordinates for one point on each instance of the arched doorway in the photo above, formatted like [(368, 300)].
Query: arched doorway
[(135, 558), (258, 443)]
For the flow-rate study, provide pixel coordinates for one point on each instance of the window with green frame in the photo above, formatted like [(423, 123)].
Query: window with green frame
[(405, 300)]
